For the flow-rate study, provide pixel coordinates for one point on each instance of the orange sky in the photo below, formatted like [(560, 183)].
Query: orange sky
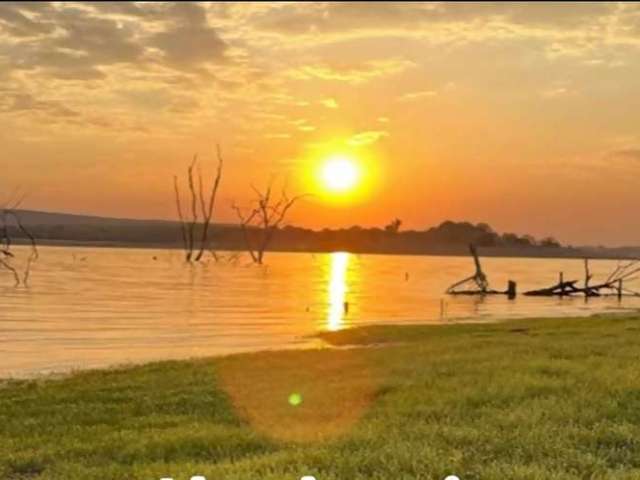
[(521, 116)]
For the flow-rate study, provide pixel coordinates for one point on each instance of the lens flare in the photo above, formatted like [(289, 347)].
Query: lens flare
[(295, 399)]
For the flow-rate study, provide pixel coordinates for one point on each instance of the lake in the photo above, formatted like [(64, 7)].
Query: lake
[(93, 307)]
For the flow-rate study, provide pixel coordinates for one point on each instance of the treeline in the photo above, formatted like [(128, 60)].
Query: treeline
[(448, 237)]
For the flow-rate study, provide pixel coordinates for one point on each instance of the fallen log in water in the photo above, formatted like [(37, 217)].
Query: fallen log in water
[(612, 286), (561, 288), (479, 279), (479, 282)]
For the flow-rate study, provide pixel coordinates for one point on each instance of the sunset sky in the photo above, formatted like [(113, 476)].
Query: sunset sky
[(526, 117)]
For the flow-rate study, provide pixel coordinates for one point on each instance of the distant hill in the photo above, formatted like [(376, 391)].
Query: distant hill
[(33, 218), (71, 229), (448, 238), (615, 252)]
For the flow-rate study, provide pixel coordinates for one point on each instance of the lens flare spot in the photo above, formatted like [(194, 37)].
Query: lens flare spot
[(295, 399)]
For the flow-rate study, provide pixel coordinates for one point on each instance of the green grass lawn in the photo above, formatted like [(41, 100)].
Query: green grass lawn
[(535, 399)]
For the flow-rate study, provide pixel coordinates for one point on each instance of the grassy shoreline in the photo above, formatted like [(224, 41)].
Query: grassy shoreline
[(520, 399)]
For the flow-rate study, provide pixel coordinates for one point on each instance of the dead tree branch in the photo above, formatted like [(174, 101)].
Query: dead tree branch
[(245, 223), (7, 213), (33, 255), (183, 226), (261, 223), (197, 200), (207, 211), (624, 273), (478, 283), (194, 210), (478, 279)]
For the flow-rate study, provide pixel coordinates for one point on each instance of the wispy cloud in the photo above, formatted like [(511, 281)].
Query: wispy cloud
[(555, 92), (329, 103), (26, 103), (632, 154), (352, 74), (421, 95), (366, 138), (280, 136)]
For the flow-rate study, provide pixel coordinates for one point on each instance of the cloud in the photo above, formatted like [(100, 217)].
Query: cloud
[(366, 138), (184, 104), (412, 96), (333, 18), (352, 74), (339, 17), (75, 41), (555, 92), (15, 21), (632, 154), (26, 103), (277, 136), (329, 103), (557, 15), (102, 41), (183, 46), (227, 54), (190, 40), (70, 43)]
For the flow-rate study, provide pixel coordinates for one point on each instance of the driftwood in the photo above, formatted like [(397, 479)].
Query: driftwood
[(613, 285), (478, 283), (625, 272)]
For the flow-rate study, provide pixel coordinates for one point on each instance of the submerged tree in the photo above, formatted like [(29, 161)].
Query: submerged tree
[(261, 222), (194, 248), (9, 221)]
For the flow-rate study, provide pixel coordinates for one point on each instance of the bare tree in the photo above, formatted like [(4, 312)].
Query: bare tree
[(183, 226), (9, 214), (194, 211), (207, 209), (197, 199), (263, 220)]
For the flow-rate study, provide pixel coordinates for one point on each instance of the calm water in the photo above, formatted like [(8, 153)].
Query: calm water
[(90, 307)]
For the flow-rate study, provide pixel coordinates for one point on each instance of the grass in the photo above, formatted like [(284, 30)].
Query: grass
[(533, 399)]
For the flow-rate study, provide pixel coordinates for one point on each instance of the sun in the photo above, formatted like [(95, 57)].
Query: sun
[(340, 173)]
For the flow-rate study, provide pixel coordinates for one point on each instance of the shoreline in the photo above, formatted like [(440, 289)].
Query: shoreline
[(560, 253), (518, 399), (322, 343)]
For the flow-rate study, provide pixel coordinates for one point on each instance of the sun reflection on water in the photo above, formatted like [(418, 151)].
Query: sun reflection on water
[(338, 290)]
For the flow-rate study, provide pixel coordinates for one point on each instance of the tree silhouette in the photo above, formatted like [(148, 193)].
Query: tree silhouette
[(197, 197), (9, 216), (263, 220), (394, 226)]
